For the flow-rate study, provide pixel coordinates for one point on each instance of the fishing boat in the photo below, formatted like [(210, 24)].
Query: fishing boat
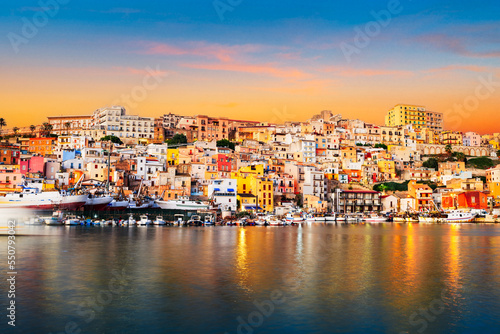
[(374, 218), (34, 198), (57, 218), (97, 202), (310, 218), (320, 218), (457, 216), (72, 220), (330, 217), (131, 220), (182, 203), (159, 221), (340, 219), (194, 221)]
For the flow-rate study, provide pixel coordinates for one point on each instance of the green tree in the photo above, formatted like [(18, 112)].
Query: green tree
[(113, 139), (448, 148), (2, 123), (381, 145), (16, 130), (67, 125), (46, 128), (178, 138), (225, 143), (431, 163)]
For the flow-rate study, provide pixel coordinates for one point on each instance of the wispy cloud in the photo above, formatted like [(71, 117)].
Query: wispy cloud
[(268, 69), (455, 45), (141, 71), (221, 52), (456, 67), (365, 72)]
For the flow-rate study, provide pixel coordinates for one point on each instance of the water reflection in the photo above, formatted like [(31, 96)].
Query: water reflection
[(366, 278)]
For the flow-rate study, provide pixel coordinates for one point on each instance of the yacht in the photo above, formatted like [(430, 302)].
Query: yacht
[(457, 216), (374, 218), (144, 220), (34, 198), (57, 218), (182, 203), (72, 220), (95, 202)]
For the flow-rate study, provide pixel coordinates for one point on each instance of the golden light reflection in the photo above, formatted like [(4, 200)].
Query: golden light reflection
[(242, 259)]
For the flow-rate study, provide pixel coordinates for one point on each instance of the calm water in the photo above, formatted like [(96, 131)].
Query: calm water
[(386, 278)]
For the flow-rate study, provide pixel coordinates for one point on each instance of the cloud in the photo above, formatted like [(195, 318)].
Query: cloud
[(268, 69), (454, 44), (472, 68), (366, 72), (142, 71), (221, 52)]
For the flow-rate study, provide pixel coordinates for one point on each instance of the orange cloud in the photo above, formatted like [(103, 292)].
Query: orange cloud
[(472, 68)]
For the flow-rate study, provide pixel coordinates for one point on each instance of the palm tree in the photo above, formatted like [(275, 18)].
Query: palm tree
[(16, 130), (46, 128), (448, 148), (32, 129), (67, 125), (2, 123)]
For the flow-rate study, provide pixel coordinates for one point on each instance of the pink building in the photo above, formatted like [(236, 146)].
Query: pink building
[(34, 164)]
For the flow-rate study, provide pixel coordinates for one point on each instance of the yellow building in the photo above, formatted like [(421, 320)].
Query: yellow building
[(251, 180), (387, 167), (452, 138), (418, 116), (172, 156)]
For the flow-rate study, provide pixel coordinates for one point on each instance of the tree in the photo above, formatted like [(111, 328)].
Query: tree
[(113, 139), (178, 138), (225, 143), (2, 123), (431, 163), (448, 148), (46, 128), (67, 125), (16, 130), (380, 145), (32, 129)]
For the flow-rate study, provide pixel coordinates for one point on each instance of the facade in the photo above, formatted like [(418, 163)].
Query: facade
[(417, 116), (70, 125), (350, 201), (114, 121), (223, 194)]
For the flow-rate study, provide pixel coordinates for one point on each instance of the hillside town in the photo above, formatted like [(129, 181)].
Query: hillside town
[(325, 164)]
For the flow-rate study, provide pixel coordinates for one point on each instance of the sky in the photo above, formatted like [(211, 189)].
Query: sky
[(270, 61)]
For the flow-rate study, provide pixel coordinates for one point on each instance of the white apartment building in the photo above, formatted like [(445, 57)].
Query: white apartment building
[(223, 192), (115, 122), (314, 182)]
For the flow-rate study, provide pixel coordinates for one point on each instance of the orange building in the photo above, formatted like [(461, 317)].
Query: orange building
[(464, 200), (422, 194), (43, 145)]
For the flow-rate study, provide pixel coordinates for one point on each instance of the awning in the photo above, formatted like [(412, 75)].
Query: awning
[(231, 190), (217, 189), (252, 207)]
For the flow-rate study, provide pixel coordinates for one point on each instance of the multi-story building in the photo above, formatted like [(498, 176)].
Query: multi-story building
[(422, 194), (471, 139), (452, 138), (418, 116), (115, 122), (70, 125), (223, 193), (346, 201), (43, 145)]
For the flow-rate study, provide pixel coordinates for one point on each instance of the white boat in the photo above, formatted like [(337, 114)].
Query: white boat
[(131, 220), (209, 221), (179, 219), (374, 218), (97, 202), (274, 221), (72, 220), (457, 216), (34, 221), (182, 203), (310, 218), (57, 218), (134, 203), (330, 217), (117, 204), (289, 217), (194, 221), (340, 218), (33, 198), (320, 218), (144, 220), (159, 221)]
